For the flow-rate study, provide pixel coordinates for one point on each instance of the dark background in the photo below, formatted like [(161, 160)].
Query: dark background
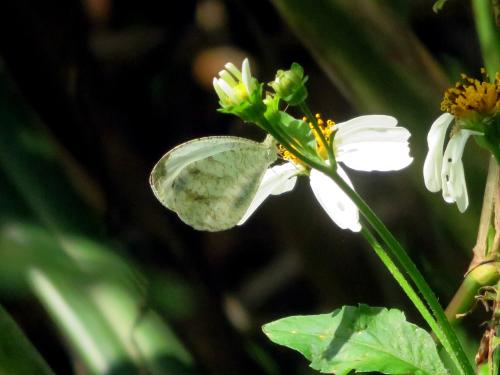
[(115, 84)]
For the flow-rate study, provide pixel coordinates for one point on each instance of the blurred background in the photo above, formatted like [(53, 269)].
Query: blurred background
[(103, 280)]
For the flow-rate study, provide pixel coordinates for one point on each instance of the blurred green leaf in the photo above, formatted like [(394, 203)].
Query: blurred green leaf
[(359, 338), (17, 354), (51, 239)]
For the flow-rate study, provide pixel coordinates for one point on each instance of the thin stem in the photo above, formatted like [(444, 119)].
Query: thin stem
[(403, 282), (328, 147), (491, 194), (488, 34), (481, 272), (463, 301), (451, 342)]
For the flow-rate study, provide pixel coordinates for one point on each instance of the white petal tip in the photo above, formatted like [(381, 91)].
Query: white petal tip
[(338, 206), (433, 187), (355, 228)]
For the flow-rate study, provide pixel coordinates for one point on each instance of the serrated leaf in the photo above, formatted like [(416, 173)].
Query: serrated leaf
[(361, 339)]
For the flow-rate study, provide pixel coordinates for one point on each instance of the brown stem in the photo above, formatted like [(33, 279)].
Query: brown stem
[(490, 214), (484, 267)]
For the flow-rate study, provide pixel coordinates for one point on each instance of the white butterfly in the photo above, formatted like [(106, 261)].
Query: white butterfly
[(210, 182)]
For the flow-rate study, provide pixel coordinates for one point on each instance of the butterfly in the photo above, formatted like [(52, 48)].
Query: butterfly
[(210, 182)]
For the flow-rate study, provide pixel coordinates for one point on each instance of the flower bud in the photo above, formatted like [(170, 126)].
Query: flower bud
[(290, 85), (239, 92)]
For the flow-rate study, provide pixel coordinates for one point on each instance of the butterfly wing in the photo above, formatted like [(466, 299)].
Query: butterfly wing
[(210, 182)]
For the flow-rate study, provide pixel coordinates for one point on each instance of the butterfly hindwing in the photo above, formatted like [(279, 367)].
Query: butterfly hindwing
[(210, 182)]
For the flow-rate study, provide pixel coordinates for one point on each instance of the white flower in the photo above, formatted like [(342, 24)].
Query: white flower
[(234, 86), (365, 143), (446, 171)]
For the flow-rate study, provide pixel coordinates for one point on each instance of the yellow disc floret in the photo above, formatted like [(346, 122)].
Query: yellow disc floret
[(326, 128), (287, 155), (471, 96)]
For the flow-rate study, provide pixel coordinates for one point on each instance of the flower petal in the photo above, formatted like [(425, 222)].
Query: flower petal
[(452, 173), (226, 76), (228, 90), (222, 95), (375, 156), (372, 142), (246, 75), (231, 68), (277, 180), (334, 201), (367, 121), (463, 198), (455, 190), (373, 134), (434, 159)]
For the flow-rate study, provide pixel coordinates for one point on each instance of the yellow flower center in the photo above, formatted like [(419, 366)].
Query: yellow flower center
[(471, 96), (287, 155), (240, 93), (326, 129)]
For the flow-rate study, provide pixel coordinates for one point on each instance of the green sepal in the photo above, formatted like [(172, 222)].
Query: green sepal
[(250, 110), (296, 130)]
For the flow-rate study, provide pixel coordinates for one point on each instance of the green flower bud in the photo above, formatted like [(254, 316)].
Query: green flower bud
[(290, 85), (239, 93)]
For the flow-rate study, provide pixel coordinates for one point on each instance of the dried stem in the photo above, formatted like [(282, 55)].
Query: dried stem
[(484, 267)]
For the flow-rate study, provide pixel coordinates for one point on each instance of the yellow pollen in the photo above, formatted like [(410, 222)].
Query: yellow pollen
[(287, 155), (470, 96), (326, 129)]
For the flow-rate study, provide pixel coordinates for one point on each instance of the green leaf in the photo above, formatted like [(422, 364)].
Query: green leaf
[(52, 242), (359, 338), (17, 354)]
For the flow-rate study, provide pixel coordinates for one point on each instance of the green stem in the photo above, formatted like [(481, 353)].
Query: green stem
[(462, 302), (482, 270), (403, 282), (328, 147), (488, 34), (451, 343)]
